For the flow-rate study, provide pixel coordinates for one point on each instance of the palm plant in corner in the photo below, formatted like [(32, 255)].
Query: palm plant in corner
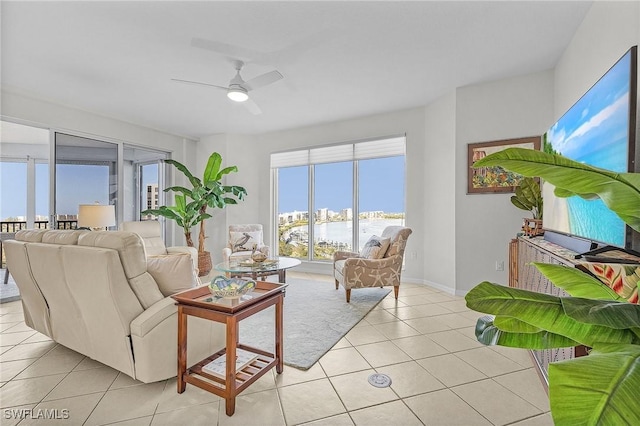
[(600, 388), (191, 205)]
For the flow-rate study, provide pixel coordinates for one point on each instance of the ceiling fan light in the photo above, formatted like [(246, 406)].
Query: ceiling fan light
[(237, 94)]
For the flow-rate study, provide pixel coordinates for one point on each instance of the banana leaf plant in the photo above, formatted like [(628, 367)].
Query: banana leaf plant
[(620, 192), (528, 197), (602, 387), (191, 204)]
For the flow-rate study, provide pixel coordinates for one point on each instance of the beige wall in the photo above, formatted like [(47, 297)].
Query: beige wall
[(485, 223)]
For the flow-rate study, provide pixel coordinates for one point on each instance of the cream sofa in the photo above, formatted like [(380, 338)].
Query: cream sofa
[(92, 292)]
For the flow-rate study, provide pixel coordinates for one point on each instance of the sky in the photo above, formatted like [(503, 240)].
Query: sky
[(77, 184), (595, 130), (381, 186)]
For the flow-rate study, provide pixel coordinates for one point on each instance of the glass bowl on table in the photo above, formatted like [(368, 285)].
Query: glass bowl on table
[(230, 288)]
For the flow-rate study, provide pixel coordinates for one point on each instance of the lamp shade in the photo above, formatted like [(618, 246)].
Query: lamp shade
[(96, 216)]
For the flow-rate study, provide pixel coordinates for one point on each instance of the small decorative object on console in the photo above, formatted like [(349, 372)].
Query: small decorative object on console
[(230, 288), (532, 227), (257, 256)]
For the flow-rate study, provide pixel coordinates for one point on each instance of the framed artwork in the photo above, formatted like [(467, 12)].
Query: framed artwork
[(495, 179)]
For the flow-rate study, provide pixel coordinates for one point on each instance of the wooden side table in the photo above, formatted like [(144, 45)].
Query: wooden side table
[(200, 303)]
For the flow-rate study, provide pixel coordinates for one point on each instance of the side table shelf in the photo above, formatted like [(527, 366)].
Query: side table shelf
[(200, 303)]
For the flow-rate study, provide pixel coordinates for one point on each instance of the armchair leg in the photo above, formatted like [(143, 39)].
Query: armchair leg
[(395, 291), (348, 292), (337, 284)]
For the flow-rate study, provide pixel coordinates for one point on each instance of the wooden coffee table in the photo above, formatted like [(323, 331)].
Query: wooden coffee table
[(244, 267), (200, 303)]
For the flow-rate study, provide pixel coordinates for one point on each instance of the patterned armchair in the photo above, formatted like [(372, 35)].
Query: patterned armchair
[(353, 271), (241, 241)]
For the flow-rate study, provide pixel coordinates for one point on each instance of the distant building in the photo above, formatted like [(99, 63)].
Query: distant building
[(322, 215), (346, 214), (152, 196)]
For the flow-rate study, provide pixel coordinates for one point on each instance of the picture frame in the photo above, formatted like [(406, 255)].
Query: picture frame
[(491, 180)]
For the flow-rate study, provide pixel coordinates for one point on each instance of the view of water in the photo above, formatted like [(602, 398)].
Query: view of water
[(340, 232), (593, 220)]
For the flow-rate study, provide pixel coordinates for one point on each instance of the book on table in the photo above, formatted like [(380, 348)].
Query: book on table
[(218, 367)]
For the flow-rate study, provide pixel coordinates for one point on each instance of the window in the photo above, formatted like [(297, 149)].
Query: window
[(352, 190), (24, 177)]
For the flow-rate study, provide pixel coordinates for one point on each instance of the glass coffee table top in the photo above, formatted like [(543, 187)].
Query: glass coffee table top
[(249, 267)]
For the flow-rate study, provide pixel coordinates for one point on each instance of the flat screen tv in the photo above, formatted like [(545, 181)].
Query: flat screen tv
[(600, 130)]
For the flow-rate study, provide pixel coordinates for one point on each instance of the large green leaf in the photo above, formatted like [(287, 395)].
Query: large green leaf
[(599, 389), (619, 191), (226, 171), (613, 314), (576, 282), (194, 180), (489, 333), (212, 168), (543, 311)]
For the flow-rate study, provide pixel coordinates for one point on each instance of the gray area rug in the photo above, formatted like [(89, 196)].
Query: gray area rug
[(316, 316), (9, 291)]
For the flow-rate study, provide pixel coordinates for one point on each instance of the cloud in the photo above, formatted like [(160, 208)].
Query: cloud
[(599, 118)]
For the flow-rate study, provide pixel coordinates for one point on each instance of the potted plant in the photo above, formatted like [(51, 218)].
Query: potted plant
[(529, 197), (191, 205), (601, 387)]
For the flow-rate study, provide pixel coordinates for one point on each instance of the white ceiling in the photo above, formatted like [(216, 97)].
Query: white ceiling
[(339, 59)]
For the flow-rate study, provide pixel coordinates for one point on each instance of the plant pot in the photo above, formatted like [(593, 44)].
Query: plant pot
[(204, 263), (532, 227)]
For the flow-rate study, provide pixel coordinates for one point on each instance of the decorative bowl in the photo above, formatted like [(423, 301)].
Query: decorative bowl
[(230, 288), (258, 257)]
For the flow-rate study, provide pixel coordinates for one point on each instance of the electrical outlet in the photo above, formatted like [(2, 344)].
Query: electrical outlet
[(499, 265)]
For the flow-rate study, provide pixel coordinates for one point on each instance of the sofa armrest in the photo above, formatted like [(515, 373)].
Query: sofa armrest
[(339, 255), (226, 254), (153, 316), (383, 263)]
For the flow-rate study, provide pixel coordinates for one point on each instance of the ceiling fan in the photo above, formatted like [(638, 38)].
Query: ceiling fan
[(238, 89)]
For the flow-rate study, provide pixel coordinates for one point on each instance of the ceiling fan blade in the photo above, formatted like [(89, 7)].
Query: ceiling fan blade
[(252, 107), (263, 80), (199, 83), (227, 49)]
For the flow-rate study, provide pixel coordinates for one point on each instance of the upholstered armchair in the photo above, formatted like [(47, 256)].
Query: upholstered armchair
[(151, 233), (242, 238), (373, 268)]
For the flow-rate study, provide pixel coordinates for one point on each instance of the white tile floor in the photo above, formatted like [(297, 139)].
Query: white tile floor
[(424, 342)]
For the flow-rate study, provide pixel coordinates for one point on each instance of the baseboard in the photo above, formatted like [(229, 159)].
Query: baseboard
[(440, 287)]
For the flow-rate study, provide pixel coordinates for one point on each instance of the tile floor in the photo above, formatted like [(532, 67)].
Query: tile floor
[(424, 341)]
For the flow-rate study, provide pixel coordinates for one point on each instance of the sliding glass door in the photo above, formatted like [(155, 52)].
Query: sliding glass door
[(86, 173), (144, 177)]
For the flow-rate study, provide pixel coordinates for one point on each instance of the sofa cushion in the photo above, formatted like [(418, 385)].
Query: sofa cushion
[(146, 289), (129, 246), (31, 235), (243, 241), (151, 233), (172, 272), (375, 248), (62, 237)]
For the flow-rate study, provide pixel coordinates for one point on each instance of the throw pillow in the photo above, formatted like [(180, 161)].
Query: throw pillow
[(244, 241), (172, 272), (375, 248)]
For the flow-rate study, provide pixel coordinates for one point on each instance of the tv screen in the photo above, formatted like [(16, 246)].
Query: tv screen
[(598, 130)]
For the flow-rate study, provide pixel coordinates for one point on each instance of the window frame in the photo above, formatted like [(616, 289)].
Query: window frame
[(296, 158)]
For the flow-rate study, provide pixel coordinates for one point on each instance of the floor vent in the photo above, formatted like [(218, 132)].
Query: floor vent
[(380, 380)]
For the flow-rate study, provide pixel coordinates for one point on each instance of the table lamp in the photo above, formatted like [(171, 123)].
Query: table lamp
[(96, 217)]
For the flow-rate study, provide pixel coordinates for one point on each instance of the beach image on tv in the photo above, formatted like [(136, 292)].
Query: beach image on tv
[(594, 131)]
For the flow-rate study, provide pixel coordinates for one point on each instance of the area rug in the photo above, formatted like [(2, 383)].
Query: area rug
[(316, 316), (9, 291)]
